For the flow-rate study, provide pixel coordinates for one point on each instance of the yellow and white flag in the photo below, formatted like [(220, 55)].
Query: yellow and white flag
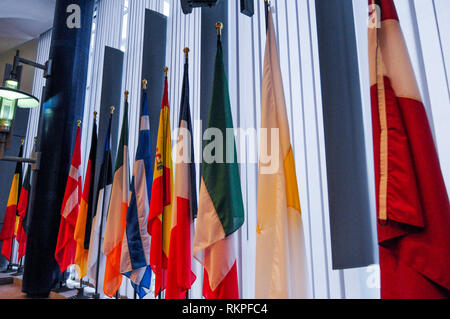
[(281, 271)]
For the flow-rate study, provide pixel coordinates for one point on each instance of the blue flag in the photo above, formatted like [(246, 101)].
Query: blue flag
[(135, 257)]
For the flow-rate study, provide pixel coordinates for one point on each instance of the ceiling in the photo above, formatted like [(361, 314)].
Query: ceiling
[(23, 20)]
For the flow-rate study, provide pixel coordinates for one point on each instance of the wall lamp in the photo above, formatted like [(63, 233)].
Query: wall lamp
[(12, 97)]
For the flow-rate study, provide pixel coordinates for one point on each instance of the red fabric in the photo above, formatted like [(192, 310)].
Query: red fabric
[(158, 259), (228, 288), (21, 234), (66, 245), (388, 11), (179, 275), (7, 233), (415, 242), (387, 7)]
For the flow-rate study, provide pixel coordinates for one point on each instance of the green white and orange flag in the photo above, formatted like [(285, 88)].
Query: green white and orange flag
[(280, 251), (220, 208), (86, 207), (160, 216), (117, 214)]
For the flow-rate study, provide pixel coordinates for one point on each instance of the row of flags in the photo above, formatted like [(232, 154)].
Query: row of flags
[(136, 217), (149, 222), (15, 223)]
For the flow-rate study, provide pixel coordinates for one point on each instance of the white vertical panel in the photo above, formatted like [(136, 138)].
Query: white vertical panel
[(133, 66), (434, 74), (107, 33), (38, 84), (442, 13)]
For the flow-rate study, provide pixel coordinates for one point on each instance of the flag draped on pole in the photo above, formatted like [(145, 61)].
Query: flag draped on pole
[(412, 201), (135, 259), (99, 219), (160, 217), (280, 249), (86, 207), (179, 275), (117, 213), (66, 244), (221, 210), (9, 222), (22, 208)]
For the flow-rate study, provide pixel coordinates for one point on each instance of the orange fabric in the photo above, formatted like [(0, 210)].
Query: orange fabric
[(113, 277)]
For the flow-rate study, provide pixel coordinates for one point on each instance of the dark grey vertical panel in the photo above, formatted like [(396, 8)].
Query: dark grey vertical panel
[(351, 232), (111, 95), (210, 16), (153, 62)]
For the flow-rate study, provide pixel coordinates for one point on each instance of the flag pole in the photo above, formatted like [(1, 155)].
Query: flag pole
[(166, 71), (97, 295), (186, 56), (13, 244), (219, 27), (81, 289), (266, 10)]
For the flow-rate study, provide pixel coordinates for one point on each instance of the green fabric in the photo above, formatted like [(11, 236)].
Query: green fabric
[(123, 139), (222, 179), (26, 186)]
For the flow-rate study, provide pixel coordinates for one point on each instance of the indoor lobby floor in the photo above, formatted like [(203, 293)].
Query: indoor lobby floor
[(14, 290)]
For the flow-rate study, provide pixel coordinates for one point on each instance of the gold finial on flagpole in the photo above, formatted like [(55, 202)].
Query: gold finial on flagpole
[(219, 27), (22, 141), (95, 115), (144, 84), (126, 95), (186, 53), (112, 108), (166, 70), (78, 123)]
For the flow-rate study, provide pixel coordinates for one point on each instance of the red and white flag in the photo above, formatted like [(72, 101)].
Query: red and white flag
[(179, 274), (412, 200), (66, 245)]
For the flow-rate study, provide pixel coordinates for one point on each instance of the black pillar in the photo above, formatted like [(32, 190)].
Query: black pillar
[(62, 107)]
